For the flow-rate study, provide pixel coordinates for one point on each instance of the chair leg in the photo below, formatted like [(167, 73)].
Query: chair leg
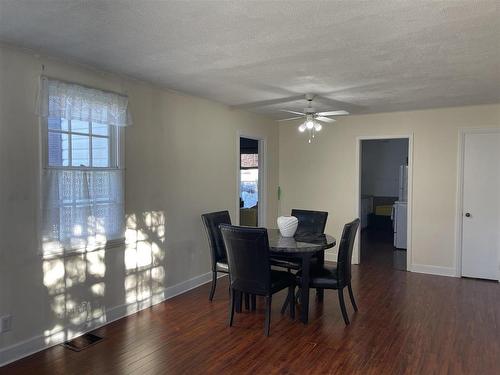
[(287, 299), (231, 308), (247, 301), (291, 297), (267, 325), (320, 292), (294, 296), (351, 295), (214, 284), (286, 303), (342, 306), (239, 297), (253, 303)]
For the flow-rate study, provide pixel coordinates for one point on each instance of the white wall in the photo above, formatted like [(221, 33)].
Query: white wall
[(181, 161), (380, 162), (321, 175)]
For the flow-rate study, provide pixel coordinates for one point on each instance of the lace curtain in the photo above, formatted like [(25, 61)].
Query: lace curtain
[(82, 209), (68, 100)]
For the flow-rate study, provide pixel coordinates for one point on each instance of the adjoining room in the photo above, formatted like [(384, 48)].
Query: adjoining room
[(384, 201), (250, 185)]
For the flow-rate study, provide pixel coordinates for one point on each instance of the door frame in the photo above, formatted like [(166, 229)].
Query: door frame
[(262, 203), (357, 190), (460, 194)]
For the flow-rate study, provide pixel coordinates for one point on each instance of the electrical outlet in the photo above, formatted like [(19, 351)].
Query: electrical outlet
[(5, 323)]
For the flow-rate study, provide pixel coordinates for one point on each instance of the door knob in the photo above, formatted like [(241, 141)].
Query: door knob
[(467, 214)]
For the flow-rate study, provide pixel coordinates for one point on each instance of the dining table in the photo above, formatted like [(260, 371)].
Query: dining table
[(301, 248)]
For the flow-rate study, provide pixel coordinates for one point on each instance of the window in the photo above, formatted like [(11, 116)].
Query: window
[(76, 143), (249, 180), (82, 176)]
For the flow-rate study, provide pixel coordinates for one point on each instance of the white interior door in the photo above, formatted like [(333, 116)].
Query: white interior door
[(481, 206)]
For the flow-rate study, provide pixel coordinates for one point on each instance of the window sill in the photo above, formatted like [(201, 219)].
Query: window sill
[(113, 244)]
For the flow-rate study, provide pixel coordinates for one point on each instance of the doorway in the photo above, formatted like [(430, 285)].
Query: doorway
[(383, 202), (479, 207), (250, 181)]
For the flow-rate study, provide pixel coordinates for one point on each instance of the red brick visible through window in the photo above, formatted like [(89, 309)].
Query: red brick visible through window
[(249, 160)]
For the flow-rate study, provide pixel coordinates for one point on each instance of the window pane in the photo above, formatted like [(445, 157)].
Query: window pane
[(57, 123), (78, 126), (249, 188), (58, 149), (80, 150), (99, 129), (100, 152)]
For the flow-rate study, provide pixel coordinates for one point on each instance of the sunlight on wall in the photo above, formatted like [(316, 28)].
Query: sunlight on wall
[(55, 334), (95, 263), (144, 256), (76, 288), (98, 289), (76, 283)]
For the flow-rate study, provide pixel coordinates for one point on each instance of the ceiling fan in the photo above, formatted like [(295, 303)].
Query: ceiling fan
[(312, 118)]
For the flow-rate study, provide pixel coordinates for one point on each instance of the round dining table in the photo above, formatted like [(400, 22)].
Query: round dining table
[(301, 248)]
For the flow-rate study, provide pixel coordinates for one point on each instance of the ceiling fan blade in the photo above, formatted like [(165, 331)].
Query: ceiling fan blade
[(291, 118), (333, 113), (265, 103), (353, 108), (324, 119), (294, 112)]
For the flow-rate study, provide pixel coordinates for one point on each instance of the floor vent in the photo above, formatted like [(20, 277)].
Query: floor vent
[(82, 342)]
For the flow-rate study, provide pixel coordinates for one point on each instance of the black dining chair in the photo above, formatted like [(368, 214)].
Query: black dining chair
[(309, 222), (339, 276), (248, 258), (218, 255)]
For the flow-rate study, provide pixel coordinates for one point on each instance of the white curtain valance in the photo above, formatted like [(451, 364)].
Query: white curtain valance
[(72, 101)]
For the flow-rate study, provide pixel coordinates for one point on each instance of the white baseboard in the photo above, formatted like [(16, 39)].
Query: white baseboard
[(37, 343), (419, 268), (433, 270)]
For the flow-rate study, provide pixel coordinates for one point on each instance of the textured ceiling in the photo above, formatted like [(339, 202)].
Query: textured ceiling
[(381, 55)]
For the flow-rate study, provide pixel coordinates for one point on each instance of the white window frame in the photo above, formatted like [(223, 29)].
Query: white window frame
[(263, 188), (117, 162), (116, 147)]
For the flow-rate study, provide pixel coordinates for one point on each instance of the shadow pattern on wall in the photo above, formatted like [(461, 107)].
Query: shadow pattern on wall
[(81, 288)]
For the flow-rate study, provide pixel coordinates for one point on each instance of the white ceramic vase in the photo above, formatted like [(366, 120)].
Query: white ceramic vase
[(287, 225)]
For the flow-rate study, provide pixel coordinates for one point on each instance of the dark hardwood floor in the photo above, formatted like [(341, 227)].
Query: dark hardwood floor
[(407, 323)]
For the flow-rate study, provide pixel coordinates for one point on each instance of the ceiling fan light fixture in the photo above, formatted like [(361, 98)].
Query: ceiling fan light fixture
[(313, 120)]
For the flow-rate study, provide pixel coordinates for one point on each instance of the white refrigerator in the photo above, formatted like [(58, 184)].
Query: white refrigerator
[(399, 217), (399, 210), (403, 183)]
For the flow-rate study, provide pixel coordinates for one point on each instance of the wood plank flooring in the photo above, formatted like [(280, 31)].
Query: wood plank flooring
[(407, 323)]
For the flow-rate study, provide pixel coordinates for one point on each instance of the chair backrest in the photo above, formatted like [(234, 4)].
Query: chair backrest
[(211, 222), (310, 221), (248, 258), (344, 257)]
